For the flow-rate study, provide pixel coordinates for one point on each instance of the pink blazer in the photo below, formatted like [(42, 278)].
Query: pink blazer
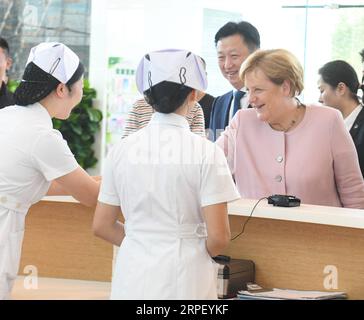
[(316, 161)]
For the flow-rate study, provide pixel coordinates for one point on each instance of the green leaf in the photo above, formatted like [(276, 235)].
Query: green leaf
[(86, 84), (95, 115), (76, 129), (12, 85), (57, 124), (93, 127), (85, 137), (73, 117)]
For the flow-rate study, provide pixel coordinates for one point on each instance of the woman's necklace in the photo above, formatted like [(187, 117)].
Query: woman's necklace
[(292, 123), (294, 120)]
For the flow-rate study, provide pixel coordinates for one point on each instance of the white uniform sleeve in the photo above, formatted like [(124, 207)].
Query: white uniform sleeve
[(217, 184), (52, 156), (108, 192)]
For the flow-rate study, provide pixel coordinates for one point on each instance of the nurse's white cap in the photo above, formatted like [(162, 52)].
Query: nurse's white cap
[(55, 59), (174, 65)]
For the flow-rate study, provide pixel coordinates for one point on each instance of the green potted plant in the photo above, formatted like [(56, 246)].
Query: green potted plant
[(80, 128)]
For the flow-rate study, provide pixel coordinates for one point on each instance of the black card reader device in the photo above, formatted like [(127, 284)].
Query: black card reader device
[(280, 200)]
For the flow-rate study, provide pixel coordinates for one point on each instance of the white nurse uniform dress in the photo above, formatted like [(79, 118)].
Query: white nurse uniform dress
[(32, 155), (162, 176)]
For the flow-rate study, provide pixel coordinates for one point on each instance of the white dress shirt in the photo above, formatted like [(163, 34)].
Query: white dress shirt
[(244, 102)]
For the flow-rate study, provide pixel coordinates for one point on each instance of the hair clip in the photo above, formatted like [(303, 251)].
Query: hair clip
[(150, 80), (54, 66), (182, 75)]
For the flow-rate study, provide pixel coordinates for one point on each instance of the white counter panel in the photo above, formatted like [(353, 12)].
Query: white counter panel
[(343, 217)]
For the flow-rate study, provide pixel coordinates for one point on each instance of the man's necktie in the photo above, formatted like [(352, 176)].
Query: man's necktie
[(237, 97)]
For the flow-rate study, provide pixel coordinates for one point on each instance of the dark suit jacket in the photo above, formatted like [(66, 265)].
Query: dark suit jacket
[(206, 105), (357, 133), (6, 97), (220, 115)]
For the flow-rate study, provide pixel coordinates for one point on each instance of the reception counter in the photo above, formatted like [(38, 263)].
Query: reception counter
[(306, 247), (59, 242)]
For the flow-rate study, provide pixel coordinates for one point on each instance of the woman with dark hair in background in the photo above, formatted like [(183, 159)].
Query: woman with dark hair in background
[(35, 160), (172, 187), (338, 85)]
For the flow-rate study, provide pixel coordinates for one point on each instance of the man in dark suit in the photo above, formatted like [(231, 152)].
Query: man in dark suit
[(234, 43), (6, 98)]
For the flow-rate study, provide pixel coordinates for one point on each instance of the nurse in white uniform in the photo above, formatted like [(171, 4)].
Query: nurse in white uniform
[(35, 160), (171, 186)]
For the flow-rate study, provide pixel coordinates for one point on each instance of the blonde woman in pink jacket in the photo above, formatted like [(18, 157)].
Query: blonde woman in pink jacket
[(281, 146)]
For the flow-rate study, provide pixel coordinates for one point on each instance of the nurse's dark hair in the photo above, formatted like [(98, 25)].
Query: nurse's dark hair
[(339, 71), (166, 96), (38, 84)]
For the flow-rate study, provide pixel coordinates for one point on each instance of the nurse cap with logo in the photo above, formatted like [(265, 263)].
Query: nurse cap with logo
[(49, 64), (174, 65)]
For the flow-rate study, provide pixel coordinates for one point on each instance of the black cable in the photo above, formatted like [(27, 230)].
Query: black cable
[(251, 214)]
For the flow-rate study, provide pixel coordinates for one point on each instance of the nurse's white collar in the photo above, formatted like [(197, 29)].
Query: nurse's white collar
[(43, 113), (171, 119)]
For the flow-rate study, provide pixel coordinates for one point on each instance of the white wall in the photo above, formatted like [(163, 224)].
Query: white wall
[(97, 70)]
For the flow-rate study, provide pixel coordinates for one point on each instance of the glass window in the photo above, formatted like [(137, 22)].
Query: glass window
[(26, 23), (333, 31)]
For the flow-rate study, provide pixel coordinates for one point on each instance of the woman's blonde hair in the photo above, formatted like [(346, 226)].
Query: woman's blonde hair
[(278, 65)]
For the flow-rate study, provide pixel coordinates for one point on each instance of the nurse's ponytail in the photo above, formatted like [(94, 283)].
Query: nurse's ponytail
[(166, 96)]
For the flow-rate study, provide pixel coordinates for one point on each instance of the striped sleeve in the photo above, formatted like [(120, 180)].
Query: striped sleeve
[(196, 120), (138, 117)]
